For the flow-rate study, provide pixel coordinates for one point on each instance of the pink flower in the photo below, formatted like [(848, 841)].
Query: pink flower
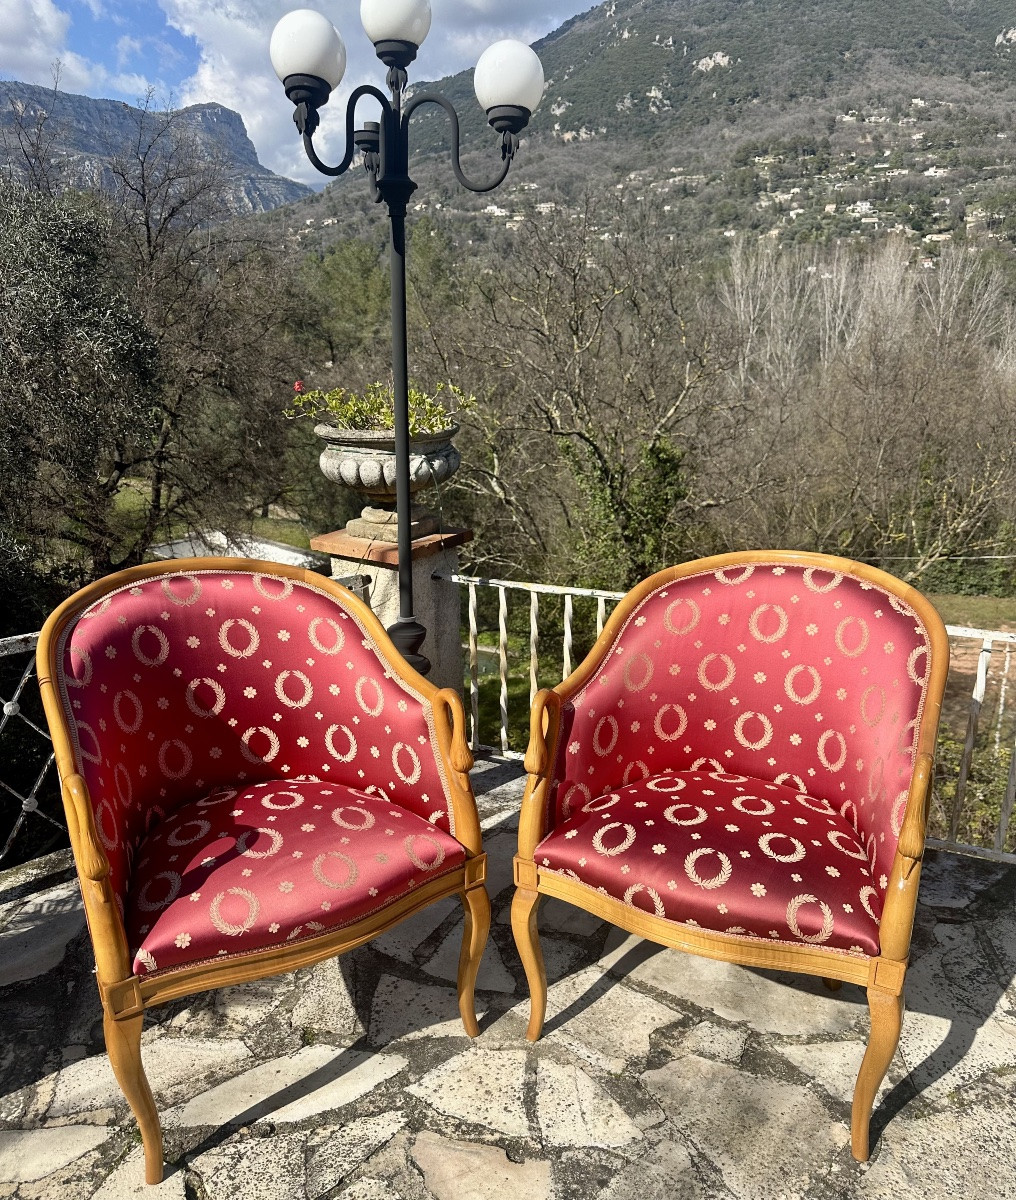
[(298, 386)]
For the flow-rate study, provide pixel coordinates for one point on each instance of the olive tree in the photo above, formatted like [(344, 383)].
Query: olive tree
[(79, 380), (147, 357)]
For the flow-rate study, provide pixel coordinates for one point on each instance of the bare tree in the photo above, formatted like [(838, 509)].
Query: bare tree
[(883, 452), (596, 363), (28, 135)]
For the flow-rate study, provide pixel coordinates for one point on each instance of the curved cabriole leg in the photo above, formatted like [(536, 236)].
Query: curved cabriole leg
[(525, 907), (123, 1045), (886, 1010), (476, 927)]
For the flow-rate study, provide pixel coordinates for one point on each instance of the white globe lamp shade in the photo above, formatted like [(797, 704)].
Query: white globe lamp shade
[(508, 73), (306, 43), (396, 20)]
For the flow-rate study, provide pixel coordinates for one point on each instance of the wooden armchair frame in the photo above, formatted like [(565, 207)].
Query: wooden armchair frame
[(124, 995), (882, 976)]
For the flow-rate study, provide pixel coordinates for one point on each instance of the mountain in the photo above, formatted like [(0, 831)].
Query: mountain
[(83, 136), (645, 67), (804, 119), (631, 66)]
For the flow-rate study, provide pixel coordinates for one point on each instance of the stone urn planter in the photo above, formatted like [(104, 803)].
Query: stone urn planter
[(363, 460)]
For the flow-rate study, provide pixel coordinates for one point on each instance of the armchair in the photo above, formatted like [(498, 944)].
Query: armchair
[(741, 768), (254, 780)]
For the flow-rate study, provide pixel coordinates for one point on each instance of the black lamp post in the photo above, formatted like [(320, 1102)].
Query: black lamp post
[(309, 57)]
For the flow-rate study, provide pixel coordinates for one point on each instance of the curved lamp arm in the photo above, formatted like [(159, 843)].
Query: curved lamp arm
[(453, 116), (365, 89)]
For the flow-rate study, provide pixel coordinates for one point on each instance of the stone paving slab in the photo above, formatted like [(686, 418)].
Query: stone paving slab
[(660, 1076), (36, 932), (31, 1154), (493, 975), (772, 1002), (402, 941), (403, 1008), (572, 1110), (127, 1182), (456, 1170), (481, 1086), (763, 1135), (176, 1067), (314, 1081), (608, 1026)]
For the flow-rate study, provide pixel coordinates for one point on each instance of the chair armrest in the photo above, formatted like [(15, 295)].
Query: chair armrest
[(901, 893), (105, 923), (89, 855), (541, 756), (450, 724), (914, 830)]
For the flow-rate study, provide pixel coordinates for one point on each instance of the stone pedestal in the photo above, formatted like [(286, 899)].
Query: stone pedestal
[(437, 603), (382, 524)]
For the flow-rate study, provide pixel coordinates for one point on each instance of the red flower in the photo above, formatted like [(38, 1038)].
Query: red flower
[(298, 386)]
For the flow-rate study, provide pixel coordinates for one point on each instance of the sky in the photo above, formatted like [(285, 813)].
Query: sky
[(191, 51)]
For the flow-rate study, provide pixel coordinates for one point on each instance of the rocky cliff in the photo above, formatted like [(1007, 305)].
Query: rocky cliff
[(83, 137)]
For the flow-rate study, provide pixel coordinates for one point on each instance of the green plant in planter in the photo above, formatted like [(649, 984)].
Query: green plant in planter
[(374, 408)]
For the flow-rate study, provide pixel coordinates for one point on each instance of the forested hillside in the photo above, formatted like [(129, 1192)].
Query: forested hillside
[(639, 68)]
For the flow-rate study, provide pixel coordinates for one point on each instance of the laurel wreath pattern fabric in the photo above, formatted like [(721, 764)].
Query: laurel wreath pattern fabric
[(769, 675), (188, 682), (243, 869), (725, 852)]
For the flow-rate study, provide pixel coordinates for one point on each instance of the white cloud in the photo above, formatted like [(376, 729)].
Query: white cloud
[(234, 69), (33, 49), (126, 49), (32, 34)]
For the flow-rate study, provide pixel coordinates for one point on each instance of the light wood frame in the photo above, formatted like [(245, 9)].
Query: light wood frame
[(126, 996), (882, 976)]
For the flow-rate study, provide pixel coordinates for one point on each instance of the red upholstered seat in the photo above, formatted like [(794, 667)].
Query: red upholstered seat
[(284, 860), (255, 780), (187, 681), (727, 853), (741, 768)]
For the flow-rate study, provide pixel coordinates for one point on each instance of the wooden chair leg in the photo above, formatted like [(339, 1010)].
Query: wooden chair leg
[(123, 1045), (886, 1010), (525, 907), (476, 927)]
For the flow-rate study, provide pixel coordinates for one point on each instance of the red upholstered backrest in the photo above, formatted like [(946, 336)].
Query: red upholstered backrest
[(183, 682), (776, 671)]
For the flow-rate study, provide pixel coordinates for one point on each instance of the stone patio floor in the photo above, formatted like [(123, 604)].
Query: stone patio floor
[(660, 1075)]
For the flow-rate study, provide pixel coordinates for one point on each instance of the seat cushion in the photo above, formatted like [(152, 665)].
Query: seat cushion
[(726, 853), (244, 869)]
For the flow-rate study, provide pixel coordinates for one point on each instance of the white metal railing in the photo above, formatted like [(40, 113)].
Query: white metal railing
[(535, 590), (985, 712), (990, 687)]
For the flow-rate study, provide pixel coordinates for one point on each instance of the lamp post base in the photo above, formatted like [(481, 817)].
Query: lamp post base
[(408, 636)]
